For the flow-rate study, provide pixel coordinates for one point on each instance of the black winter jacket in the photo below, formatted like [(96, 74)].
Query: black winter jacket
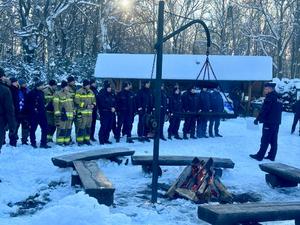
[(35, 103), (216, 102), (271, 110), (145, 100), (7, 112), (126, 102)]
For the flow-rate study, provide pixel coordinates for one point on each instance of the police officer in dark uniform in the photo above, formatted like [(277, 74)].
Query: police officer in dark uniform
[(106, 103), (125, 111), (189, 100), (145, 105), (93, 87), (175, 109), (37, 114), (204, 107), (7, 112), (270, 116)]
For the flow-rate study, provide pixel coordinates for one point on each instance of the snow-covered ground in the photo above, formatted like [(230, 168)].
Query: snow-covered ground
[(28, 173)]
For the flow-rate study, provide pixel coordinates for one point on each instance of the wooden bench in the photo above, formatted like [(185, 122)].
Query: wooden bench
[(94, 182), (281, 175), (64, 161), (231, 214), (146, 162)]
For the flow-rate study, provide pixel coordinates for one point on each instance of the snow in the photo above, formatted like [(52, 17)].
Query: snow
[(187, 67), (25, 171)]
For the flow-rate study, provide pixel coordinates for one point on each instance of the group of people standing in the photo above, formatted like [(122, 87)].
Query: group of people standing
[(56, 109)]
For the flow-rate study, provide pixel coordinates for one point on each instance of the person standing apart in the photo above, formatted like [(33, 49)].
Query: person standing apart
[(270, 116), (63, 114)]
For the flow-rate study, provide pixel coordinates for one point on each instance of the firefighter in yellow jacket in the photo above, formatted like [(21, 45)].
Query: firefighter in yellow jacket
[(84, 101), (49, 94), (64, 114)]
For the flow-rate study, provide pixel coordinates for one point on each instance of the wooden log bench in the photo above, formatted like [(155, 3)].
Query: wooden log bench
[(146, 162), (249, 213), (281, 175), (64, 161), (94, 182)]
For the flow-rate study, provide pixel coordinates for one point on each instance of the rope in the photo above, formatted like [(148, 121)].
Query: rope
[(153, 65)]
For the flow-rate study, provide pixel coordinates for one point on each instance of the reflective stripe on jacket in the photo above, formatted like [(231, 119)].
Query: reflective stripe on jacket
[(63, 100), (84, 99)]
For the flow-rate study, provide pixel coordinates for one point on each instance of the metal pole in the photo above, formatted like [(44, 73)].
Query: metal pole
[(159, 51)]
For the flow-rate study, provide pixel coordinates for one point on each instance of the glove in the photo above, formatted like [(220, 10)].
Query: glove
[(255, 122)]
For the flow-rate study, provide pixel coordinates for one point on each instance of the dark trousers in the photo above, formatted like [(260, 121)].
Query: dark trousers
[(214, 123), (269, 137), (201, 126), (106, 121), (174, 125), (296, 120), (34, 123), (93, 125), (189, 125), (143, 130), (25, 131), (124, 122), (2, 132)]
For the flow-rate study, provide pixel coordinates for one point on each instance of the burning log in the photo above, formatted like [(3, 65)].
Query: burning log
[(199, 184)]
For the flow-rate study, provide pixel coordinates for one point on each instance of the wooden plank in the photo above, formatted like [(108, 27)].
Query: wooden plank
[(179, 161), (64, 161), (179, 181), (282, 170), (275, 181), (94, 182), (249, 212)]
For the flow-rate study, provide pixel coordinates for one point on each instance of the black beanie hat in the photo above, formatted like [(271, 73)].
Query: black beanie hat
[(70, 79), (13, 79), (2, 73), (63, 84), (52, 82), (85, 82)]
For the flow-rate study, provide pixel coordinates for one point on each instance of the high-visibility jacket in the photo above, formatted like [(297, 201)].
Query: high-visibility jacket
[(49, 93), (72, 91), (84, 98), (63, 104)]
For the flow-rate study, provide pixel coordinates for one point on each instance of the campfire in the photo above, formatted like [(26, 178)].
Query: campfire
[(199, 183)]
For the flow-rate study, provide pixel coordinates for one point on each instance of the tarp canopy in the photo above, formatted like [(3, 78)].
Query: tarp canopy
[(184, 67)]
